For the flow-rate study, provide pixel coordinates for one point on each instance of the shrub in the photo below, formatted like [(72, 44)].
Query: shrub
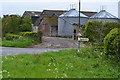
[(112, 42), (10, 24), (29, 34), (26, 25), (35, 35), (92, 30), (40, 34), (108, 26), (12, 36), (97, 30), (15, 24)]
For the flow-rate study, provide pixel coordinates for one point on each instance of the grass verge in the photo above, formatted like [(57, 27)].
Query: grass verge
[(22, 42), (89, 63)]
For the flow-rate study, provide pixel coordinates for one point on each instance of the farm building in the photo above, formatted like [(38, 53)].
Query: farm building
[(34, 15), (48, 22), (88, 13), (68, 23), (103, 15)]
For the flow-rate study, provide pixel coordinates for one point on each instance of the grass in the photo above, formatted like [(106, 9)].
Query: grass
[(22, 42), (61, 64)]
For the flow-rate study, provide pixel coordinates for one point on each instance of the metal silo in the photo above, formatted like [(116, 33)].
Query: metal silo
[(103, 15), (66, 21)]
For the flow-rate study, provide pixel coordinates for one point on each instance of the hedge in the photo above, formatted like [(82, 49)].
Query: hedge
[(29, 34), (97, 30), (92, 30), (11, 36), (112, 42), (35, 35)]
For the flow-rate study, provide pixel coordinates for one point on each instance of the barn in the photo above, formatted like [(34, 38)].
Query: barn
[(103, 15), (68, 23), (48, 22)]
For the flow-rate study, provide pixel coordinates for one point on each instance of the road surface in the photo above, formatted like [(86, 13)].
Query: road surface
[(48, 44), (5, 51)]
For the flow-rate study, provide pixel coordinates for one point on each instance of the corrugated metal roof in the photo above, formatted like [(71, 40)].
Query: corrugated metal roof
[(32, 13), (72, 13), (88, 13), (103, 14)]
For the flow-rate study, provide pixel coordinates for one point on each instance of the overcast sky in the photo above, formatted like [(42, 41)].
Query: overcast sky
[(19, 6)]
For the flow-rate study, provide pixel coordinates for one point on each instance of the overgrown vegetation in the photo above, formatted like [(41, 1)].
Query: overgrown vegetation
[(25, 39), (89, 63), (11, 36), (104, 35), (36, 35), (17, 31), (30, 34), (15, 24), (112, 42), (97, 30)]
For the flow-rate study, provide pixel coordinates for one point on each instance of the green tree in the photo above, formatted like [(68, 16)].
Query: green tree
[(26, 25), (11, 24), (15, 24)]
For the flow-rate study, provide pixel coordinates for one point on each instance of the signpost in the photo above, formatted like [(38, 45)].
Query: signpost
[(80, 39), (83, 39)]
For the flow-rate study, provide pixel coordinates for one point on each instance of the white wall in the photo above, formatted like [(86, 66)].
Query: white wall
[(65, 25)]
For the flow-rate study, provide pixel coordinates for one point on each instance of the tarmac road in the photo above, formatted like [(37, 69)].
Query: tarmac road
[(48, 44), (5, 51)]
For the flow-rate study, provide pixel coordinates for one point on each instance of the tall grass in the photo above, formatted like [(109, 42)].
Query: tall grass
[(89, 63)]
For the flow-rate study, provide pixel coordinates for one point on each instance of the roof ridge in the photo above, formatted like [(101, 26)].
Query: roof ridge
[(103, 14)]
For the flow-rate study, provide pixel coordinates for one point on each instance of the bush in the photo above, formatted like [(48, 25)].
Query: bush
[(40, 34), (26, 25), (92, 30), (97, 30), (35, 35), (12, 36), (112, 42), (15, 24), (29, 34), (10, 24)]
